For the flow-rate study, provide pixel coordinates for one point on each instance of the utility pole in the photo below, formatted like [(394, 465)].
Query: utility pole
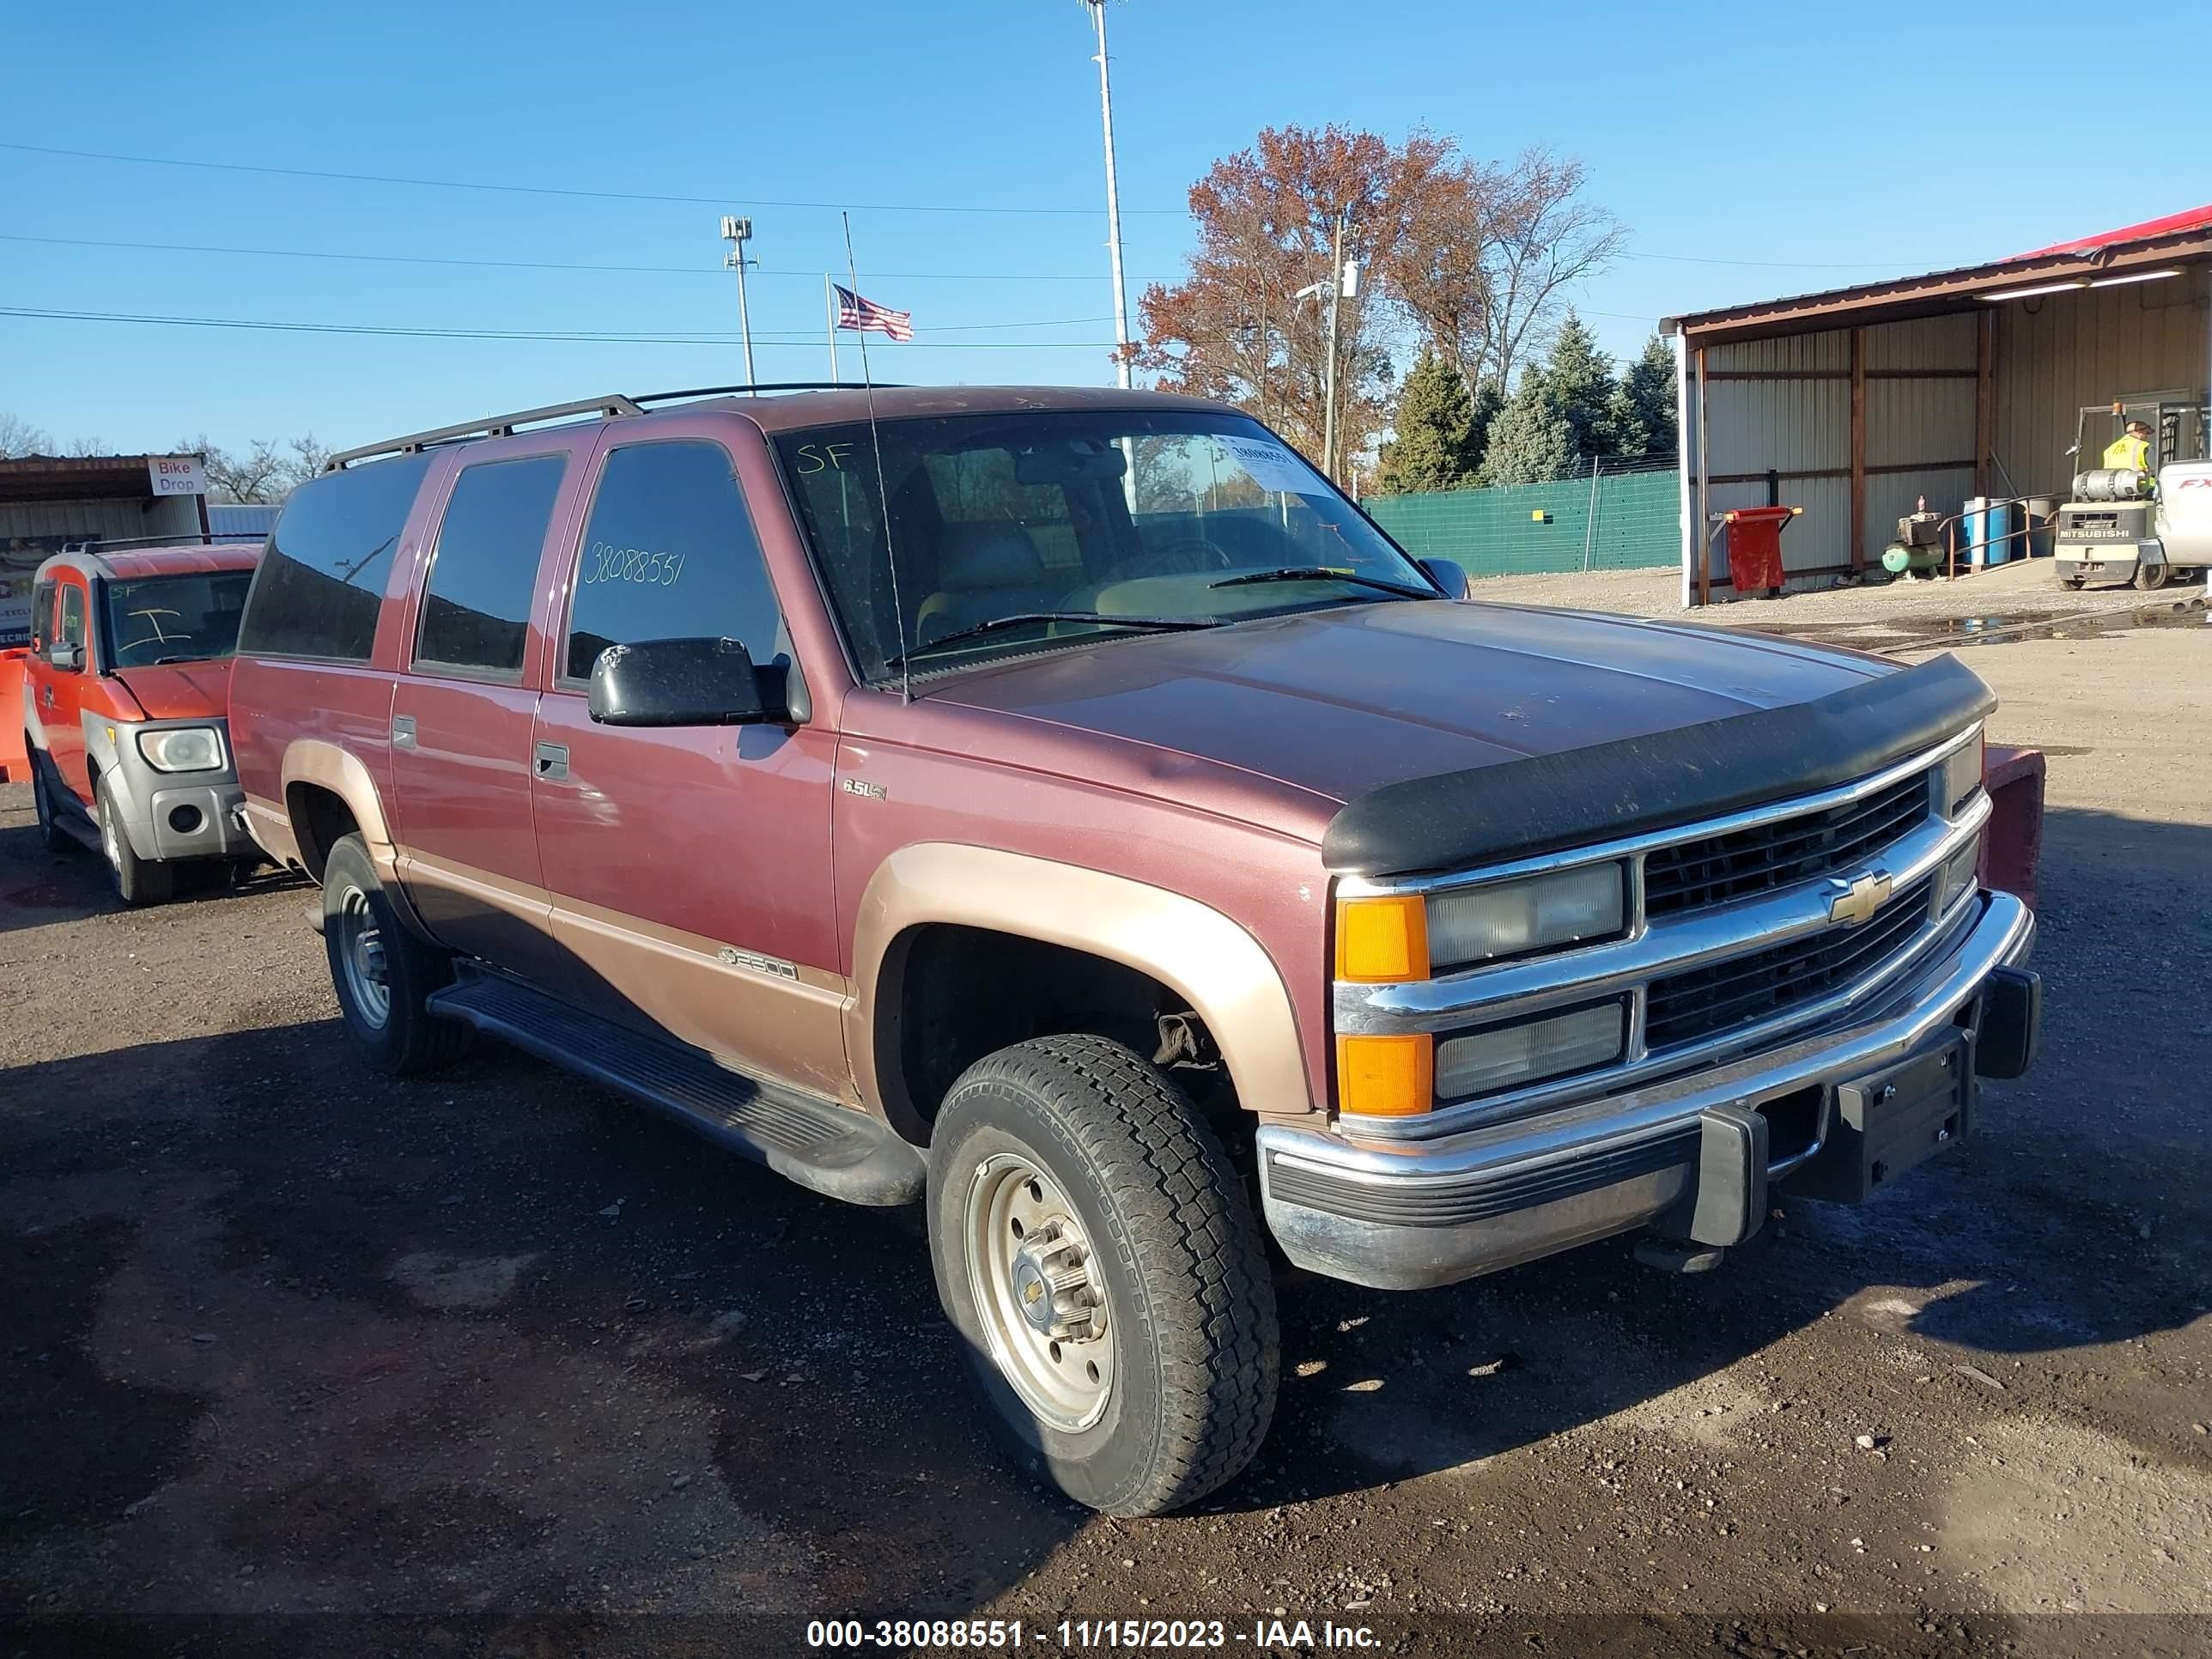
[(1113, 200), (736, 232), (1328, 381)]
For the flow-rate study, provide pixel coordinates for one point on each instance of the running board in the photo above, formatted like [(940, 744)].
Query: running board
[(821, 1145)]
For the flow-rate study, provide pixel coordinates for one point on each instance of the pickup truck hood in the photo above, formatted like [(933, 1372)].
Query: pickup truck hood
[(1350, 698), (181, 691)]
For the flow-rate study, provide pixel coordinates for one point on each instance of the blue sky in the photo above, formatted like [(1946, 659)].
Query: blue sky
[(1753, 151)]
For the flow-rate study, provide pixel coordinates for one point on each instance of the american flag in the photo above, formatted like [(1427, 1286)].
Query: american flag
[(859, 314)]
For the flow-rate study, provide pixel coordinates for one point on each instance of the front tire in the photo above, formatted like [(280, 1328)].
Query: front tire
[(383, 974), (1094, 1249), (2149, 578), (137, 881), (51, 835)]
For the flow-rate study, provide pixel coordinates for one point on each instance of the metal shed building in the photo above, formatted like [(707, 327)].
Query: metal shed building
[(1855, 402)]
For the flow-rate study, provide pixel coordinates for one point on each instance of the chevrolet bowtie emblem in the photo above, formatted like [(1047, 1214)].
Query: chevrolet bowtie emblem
[(1856, 901)]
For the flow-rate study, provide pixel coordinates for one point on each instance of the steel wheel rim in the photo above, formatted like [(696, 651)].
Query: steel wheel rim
[(1039, 1292), (361, 956), (110, 844)]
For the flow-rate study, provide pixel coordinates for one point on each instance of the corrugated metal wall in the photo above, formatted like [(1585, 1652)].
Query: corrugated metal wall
[(1799, 422), (2059, 351), (113, 521)]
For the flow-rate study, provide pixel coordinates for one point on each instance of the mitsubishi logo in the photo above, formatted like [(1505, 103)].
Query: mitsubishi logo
[(1856, 901)]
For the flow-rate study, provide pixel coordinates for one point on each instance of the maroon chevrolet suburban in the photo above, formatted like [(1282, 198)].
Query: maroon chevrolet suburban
[(1065, 810)]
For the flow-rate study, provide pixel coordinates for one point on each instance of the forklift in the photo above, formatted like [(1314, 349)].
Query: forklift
[(2147, 527)]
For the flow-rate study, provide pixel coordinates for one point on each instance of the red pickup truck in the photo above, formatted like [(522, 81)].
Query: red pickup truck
[(1064, 809), (124, 695)]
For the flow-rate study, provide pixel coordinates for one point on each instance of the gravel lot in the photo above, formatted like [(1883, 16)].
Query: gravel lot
[(299, 1359)]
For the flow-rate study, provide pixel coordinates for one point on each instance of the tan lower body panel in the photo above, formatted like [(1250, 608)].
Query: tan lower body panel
[(777, 1018)]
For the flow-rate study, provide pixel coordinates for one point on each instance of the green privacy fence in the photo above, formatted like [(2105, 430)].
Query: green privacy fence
[(1632, 522)]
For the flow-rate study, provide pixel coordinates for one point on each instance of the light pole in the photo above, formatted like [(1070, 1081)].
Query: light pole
[(736, 232), (1113, 199)]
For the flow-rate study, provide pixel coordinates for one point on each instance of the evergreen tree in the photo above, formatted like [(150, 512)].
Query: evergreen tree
[(1556, 417), (1581, 382), (1640, 418), (1439, 444), (1528, 441)]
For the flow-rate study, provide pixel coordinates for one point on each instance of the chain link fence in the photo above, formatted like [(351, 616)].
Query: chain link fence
[(1623, 514)]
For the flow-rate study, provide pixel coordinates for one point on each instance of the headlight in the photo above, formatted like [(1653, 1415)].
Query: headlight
[(1959, 776), (182, 748), (1483, 924), (1510, 1056), (1960, 874)]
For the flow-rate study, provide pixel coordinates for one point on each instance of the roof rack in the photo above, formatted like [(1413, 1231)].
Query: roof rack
[(497, 426), (98, 544), (764, 386), (612, 406)]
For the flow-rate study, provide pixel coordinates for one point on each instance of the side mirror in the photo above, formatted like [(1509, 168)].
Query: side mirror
[(70, 659), (676, 682), (1448, 575)]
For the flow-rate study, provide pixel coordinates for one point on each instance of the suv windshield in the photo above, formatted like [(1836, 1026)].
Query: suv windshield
[(174, 618), (1059, 518)]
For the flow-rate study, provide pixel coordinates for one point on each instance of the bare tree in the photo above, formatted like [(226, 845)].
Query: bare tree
[(18, 437), (256, 475), (1487, 281), (307, 458)]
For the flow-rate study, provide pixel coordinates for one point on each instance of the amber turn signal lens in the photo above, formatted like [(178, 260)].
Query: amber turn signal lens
[(1386, 1076), (1381, 941)]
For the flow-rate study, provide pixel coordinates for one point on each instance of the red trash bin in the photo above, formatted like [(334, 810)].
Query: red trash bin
[(1754, 547)]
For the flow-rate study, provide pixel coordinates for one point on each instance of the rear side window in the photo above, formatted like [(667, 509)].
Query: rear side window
[(475, 604), (670, 554), (321, 582)]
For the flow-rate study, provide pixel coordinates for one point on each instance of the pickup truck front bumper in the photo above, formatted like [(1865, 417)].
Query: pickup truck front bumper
[(1692, 1154)]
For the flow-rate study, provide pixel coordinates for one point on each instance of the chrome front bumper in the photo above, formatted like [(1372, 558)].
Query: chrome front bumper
[(1402, 1215)]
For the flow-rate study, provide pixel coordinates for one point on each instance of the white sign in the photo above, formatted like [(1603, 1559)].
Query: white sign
[(1272, 466), (15, 614), (176, 475)]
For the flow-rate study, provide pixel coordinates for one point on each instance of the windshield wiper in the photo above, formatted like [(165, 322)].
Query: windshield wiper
[(1160, 624), (1319, 572)]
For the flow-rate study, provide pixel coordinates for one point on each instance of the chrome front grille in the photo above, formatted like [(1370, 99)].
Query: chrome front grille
[(1739, 938), (1714, 869), (1680, 1008)]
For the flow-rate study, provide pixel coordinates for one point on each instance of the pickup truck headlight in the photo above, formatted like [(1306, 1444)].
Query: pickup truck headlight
[(1531, 1051), (1960, 874), (182, 748), (1538, 913), (1958, 777)]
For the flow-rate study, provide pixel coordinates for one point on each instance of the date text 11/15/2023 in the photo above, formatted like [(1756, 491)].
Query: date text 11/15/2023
[(1090, 1635)]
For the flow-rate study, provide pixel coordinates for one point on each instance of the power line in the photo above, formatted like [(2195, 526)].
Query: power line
[(329, 175), (529, 264), (805, 340), (551, 189)]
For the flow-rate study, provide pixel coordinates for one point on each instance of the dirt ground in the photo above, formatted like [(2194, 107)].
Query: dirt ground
[(298, 1359)]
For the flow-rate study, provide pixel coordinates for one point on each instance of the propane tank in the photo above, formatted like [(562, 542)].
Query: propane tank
[(2109, 484)]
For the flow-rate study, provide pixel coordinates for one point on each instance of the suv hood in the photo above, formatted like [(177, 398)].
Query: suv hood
[(1344, 701), (181, 691)]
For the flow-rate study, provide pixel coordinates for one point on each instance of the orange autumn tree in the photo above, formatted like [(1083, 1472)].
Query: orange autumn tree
[(1465, 257)]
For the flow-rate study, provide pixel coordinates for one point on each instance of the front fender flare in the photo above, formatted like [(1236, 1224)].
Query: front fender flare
[(1211, 961)]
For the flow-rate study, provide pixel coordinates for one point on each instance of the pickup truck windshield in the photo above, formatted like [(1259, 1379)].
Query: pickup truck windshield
[(190, 618), (1054, 518)]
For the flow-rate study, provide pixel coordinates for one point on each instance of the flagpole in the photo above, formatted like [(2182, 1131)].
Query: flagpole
[(829, 304)]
